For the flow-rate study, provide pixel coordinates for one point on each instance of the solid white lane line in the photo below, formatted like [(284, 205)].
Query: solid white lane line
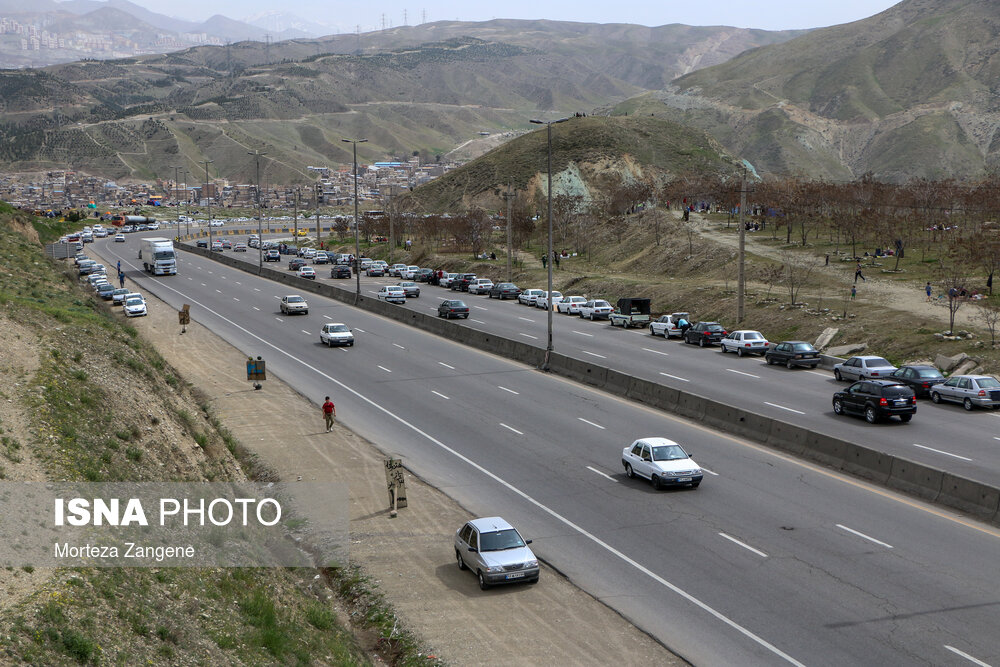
[(617, 553), (594, 354), (591, 423), (372, 292), (674, 377), (328, 317), (361, 330), (996, 438), (938, 451), (399, 346), (862, 535), (733, 370), (477, 321), (602, 474), (446, 365), (582, 333), (656, 351), (528, 336), (256, 308), (744, 545), (825, 375), (279, 319), (511, 428), (276, 296), (432, 308), (709, 471), (305, 332), (440, 394), (525, 319), (968, 657), (775, 405), (516, 393), (480, 308), (385, 369)]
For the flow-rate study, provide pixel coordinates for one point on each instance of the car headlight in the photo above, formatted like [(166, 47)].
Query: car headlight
[(669, 474), (531, 563), (494, 569)]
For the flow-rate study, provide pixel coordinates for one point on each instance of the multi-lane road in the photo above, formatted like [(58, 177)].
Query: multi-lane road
[(771, 561)]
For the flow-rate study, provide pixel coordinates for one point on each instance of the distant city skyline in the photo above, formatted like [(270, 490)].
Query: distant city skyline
[(343, 16)]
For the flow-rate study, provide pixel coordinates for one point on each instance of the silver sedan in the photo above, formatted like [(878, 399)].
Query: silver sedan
[(969, 390), (863, 368)]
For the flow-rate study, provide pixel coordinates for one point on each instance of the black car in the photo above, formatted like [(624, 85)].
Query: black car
[(876, 400), (424, 275), (272, 255), (450, 309), (340, 271), (461, 282), (504, 291), (202, 243), (704, 333), (918, 378), (793, 353), (297, 264)]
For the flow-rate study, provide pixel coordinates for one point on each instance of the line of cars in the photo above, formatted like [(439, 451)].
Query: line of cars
[(133, 303)]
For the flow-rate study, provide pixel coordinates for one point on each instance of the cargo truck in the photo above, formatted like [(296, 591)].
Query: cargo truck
[(158, 256)]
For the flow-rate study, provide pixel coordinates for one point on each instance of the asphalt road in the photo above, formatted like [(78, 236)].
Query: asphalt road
[(771, 561)]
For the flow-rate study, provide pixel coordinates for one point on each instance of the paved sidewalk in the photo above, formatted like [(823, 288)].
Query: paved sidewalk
[(411, 556)]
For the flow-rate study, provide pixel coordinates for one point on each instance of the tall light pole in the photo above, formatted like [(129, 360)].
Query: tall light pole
[(509, 196), (357, 245), (209, 200), (176, 169), (260, 232), (550, 256)]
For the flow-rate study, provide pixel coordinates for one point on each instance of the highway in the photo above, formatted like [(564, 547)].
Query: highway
[(771, 561)]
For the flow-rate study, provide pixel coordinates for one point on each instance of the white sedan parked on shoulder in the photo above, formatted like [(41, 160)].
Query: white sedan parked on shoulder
[(480, 286), (743, 342), (545, 302), (528, 296), (570, 305), (596, 309)]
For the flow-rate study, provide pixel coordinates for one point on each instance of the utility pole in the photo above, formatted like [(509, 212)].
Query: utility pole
[(209, 200), (392, 239), (509, 196), (319, 188), (357, 246), (260, 232), (295, 216), (741, 266)]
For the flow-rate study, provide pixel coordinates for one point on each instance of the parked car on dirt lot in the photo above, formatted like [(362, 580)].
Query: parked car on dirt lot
[(744, 341), (663, 462), (876, 400), (969, 390), (704, 333), (793, 353), (495, 552)]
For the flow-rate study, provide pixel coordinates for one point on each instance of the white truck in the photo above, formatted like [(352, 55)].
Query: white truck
[(158, 256)]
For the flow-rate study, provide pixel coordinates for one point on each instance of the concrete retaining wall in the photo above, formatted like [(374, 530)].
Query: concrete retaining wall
[(976, 498)]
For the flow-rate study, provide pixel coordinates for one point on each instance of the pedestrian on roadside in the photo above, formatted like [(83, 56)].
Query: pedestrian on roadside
[(854, 292), (557, 260), (827, 259), (329, 413), (927, 289), (119, 266), (121, 278), (545, 261), (858, 274)]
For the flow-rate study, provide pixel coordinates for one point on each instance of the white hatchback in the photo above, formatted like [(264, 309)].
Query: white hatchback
[(570, 305), (545, 302), (480, 286)]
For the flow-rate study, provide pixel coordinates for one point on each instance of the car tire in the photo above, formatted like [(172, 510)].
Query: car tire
[(701, 342), (628, 471), (465, 317), (968, 405), (460, 561), (905, 418), (305, 312), (656, 482), (722, 348), (789, 365), (870, 415), (739, 352), (483, 584), (935, 397), (694, 485), (837, 376), (838, 407)]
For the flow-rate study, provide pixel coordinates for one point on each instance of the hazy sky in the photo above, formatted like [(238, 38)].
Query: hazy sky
[(766, 14)]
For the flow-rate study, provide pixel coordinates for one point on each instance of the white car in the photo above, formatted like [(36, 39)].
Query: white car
[(336, 333), (570, 305), (596, 309), (446, 279), (544, 302), (663, 462), (134, 307), (293, 303), (410, 272), (391, 294), (119, 238), (528, 296), (216, 223), (744, 341), (667, 325), (480, 286), (307, 272), (397, 269), (307, 253)]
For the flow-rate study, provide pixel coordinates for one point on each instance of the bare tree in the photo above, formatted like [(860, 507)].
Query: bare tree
[(989, 315), (953, 279), (795, 275)]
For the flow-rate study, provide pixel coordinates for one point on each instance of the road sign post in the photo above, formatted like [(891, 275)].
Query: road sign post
[(256, 371)]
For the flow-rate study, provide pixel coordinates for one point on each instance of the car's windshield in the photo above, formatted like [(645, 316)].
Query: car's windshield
[(988, 383), (668, 453), (295, 299), (339, 328), (500, 540), (134, 302)]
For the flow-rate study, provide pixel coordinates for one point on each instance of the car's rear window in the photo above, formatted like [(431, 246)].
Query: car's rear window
[(500, 540), (876, 362), (802, 347), (714, 327), (895, 390), (929, 373), (753, 335), (602, 304), (988, 383)]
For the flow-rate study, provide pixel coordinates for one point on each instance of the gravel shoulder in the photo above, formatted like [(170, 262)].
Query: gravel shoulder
[(410, 557)]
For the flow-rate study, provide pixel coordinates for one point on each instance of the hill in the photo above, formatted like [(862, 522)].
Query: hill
[(906, 93), (423, 89), (588, 155)]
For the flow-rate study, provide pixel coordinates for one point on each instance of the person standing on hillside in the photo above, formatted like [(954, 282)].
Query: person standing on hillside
[(927, 290), (329, 413), (858, 274)]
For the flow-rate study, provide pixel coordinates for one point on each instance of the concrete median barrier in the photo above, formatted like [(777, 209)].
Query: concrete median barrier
[(787, 437), (915, 479), (578, 370), (976, 498), (866, 463), (653, 394), (690, 406), (617, 383)]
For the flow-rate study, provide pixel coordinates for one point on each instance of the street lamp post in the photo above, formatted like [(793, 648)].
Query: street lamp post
[(550, 256), (209, 200), (357, 245), (260, 232)]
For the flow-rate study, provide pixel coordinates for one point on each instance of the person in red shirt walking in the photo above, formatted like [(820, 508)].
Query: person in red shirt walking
[(329, 412)]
